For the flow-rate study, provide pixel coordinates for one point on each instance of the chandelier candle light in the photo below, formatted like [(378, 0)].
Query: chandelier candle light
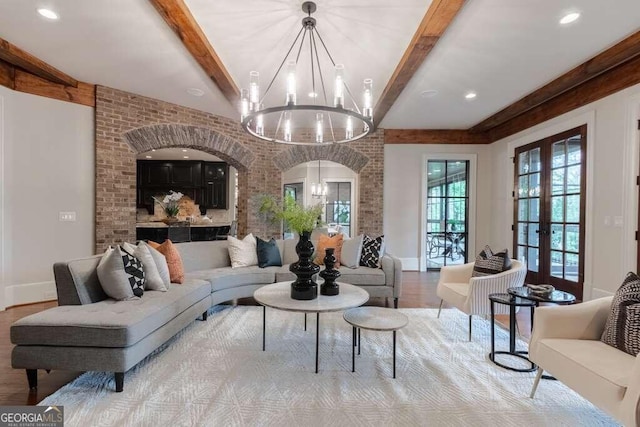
[(317, 123)]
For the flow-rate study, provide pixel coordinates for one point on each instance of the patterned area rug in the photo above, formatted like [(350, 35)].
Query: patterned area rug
[(215, 373)]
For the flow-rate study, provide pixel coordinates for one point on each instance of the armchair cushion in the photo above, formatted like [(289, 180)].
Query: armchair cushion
[(488, 263), (622, 329)]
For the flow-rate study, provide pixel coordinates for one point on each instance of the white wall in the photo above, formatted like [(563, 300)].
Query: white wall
[(46, 166), (612, 165), (403, 186)]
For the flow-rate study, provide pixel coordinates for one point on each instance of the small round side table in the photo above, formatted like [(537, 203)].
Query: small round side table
[(375, 319), (513, 302)]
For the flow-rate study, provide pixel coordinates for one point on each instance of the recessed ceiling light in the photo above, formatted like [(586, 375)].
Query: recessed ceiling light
[(569, 18), (153, 149), (471, 95), (184, 150), (195, 91), (313, 94), (48, 13), (428, 93), (185, 157), (148, 157)]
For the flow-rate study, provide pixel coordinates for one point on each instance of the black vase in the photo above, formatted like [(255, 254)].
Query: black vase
[(329, 274), (304, 287)]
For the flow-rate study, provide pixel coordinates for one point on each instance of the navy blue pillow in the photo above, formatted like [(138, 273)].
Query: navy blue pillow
[(268, 253)]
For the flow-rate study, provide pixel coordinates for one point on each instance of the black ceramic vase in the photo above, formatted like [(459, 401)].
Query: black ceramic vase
[(329, 274), (304, 287)]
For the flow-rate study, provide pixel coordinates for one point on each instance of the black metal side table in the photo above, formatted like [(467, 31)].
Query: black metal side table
[(513, 302)]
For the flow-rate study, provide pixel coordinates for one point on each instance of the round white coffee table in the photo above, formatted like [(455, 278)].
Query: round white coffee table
[(278, 296), (375, 319)]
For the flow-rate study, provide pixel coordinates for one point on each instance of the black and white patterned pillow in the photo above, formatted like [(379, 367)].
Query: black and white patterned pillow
[(622, 329), (372, 251), (488, 263), (134, 271)]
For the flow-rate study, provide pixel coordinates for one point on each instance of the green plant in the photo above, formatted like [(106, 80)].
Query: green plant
[(170, 203), (298, 218)]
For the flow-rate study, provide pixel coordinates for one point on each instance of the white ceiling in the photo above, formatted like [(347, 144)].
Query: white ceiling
[(502, 49), (177, 154)]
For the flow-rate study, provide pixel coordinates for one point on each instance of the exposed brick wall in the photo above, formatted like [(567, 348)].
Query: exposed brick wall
[(119, 115)]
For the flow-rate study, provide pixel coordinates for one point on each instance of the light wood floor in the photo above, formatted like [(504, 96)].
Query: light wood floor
[(418, 291)]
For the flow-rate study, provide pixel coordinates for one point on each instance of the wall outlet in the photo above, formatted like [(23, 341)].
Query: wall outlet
[(67, 216)]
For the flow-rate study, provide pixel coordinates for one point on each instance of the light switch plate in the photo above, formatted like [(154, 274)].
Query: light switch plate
[(67, 216), (617, 221)]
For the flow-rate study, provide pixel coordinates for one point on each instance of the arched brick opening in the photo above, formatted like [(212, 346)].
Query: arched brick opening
[(199, 138), (338, 153)]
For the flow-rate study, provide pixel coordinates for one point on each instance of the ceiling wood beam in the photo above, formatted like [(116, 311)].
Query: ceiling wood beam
[(620, 53), (614, 80), (178, 16), (22, 81), (7, 73), (18, 57), (439, 16), (433, 136)]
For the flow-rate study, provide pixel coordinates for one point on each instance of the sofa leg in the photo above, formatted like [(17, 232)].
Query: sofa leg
[(470, 324), (119, 376), (32, 378), (205, 315), (536, 382), (395, 303), (440, 308)]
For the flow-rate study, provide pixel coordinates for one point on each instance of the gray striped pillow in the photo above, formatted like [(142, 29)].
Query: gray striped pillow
[(488, 263)]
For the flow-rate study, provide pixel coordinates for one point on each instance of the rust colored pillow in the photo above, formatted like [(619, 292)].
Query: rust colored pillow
[(325, 242), (174, 261)]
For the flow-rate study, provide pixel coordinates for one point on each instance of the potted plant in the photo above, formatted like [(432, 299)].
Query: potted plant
[(301, 220), (170, 205)]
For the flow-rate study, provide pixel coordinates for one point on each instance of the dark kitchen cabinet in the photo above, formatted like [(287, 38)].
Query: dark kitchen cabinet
[(205, 182), (215, 185)]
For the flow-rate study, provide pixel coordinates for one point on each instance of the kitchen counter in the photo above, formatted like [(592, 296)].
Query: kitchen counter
[(159, 224)]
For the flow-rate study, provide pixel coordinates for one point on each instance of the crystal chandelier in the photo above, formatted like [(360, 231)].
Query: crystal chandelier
[(320, 122)]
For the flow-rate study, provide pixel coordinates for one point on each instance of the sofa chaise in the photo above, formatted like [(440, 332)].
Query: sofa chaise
[(90, 332)]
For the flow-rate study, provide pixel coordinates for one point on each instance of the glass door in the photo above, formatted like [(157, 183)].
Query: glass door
[(447, 212), (338, 207), (549, 210)]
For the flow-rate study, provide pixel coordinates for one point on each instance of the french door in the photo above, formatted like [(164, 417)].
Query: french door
[(549, 207)]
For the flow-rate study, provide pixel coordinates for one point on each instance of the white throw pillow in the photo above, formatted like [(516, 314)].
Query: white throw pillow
[(112, 276), (161, 264), (153, 279), (351, 252), (243, 253)]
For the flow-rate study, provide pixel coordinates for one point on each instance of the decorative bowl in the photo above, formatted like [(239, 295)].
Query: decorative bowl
[(541, 290)]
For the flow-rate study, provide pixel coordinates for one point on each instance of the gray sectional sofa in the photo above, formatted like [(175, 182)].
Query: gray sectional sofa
[(90, 332)]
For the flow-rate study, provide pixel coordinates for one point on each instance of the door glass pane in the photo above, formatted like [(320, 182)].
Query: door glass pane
[(522, 253), (573, 208), (556, 264), (532, 259), (338, 207), (523, 162), (558, 156), (557, 209), (522, 233), (557, 236), (573, 150), (534, 185), (573, 238), (573, 179), (534, 160), (534, 209), (571, 262), (523, 186), (533, 235), (523, 209), (557, 181)]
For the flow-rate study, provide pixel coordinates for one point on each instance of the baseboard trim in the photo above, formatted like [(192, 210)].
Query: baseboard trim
[(29, 293), (410, 264)]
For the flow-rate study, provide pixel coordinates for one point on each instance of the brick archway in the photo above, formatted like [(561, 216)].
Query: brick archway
[(339, 153), (200, 138)]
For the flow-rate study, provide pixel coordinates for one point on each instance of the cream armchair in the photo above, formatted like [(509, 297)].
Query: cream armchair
[(566, 343), (471, 294)]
